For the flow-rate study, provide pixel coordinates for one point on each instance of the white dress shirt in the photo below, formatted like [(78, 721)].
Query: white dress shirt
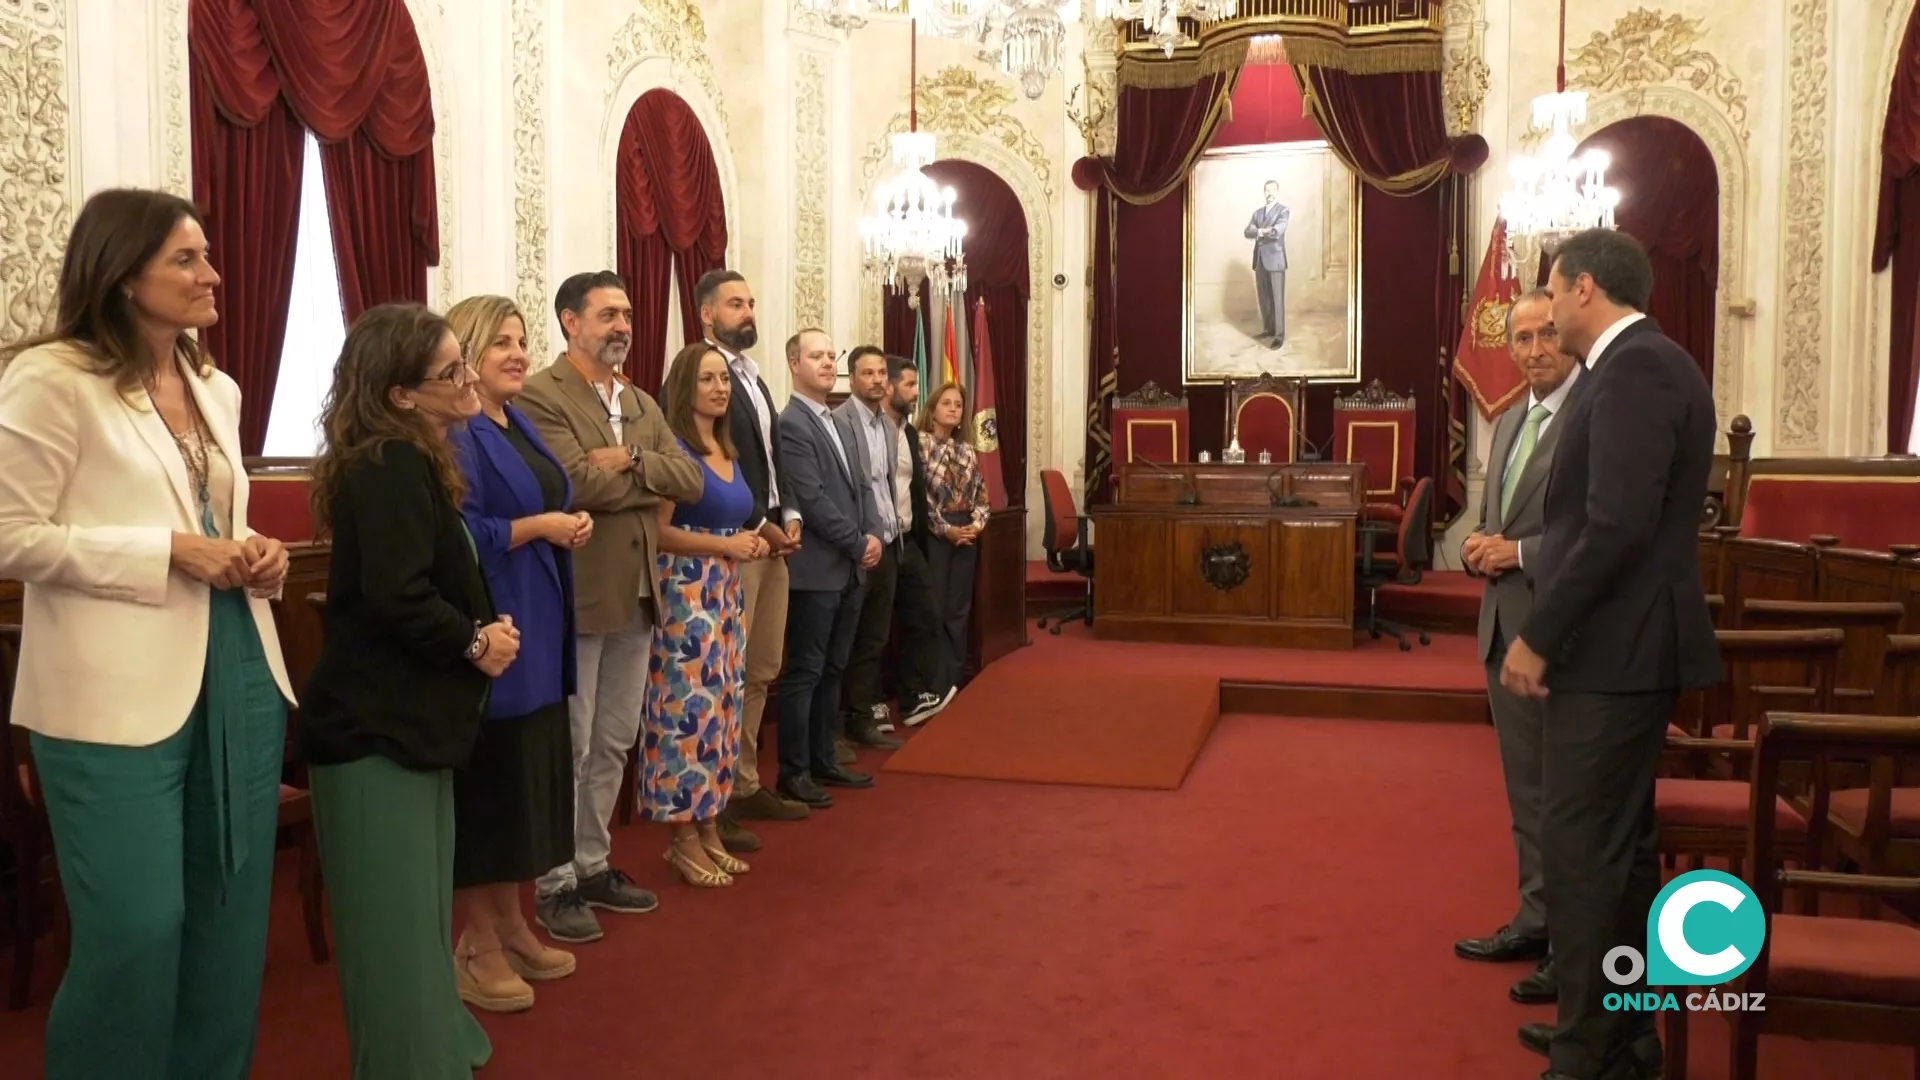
[(1608, 335), (1552, 401), (748, 373)]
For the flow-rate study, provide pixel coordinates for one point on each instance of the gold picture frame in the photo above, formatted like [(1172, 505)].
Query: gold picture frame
[(1222, 323)]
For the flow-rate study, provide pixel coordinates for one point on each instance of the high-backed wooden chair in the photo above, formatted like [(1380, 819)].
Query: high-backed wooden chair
[(1878, 825), (1266, 413), (1150, 425), (27, 837), (1866, 625), (1704, 815), (1824, 976)]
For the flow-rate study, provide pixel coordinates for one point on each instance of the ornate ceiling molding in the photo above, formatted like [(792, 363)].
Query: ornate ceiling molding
[(1802, 332), (674, 30), (810, 169), (1365, 37), (37, 197), (975, 130), (1649, 48), (530, 171), (176, 138)]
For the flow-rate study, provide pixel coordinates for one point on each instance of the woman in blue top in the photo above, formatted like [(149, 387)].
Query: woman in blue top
[(691, 726), (513, 802)]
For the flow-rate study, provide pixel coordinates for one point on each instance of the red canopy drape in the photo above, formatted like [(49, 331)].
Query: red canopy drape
[(1896, 237), (670, 222), (1670, 202), (350, 71)]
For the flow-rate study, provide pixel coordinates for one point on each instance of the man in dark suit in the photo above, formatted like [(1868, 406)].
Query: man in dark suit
[(865, 412), (922, 638), (1504, 549), (727, 319), (1268, 231), (1619, 629), (824, 465)]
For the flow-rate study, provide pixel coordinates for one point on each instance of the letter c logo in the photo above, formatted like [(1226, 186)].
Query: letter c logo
[(1673, 935)]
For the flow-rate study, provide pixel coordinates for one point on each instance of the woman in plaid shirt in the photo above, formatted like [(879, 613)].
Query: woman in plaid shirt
[(957, 497)]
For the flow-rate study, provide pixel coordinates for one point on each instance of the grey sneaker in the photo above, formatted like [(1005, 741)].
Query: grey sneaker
[(612, 890), (565, 916), (882, 720)]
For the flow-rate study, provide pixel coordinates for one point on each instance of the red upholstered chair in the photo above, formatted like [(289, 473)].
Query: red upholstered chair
[(1265, 413), (1401, 561), (278, 498), (1150, 425), (1374, 426), (1823, 976), (1064, 536)]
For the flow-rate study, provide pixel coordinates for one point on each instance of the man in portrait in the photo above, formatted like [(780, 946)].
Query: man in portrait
[(1268, 231)]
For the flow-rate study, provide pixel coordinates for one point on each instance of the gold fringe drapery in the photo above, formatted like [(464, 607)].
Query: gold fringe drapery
[(1161, 73), (1219, 111), (1355, 58)]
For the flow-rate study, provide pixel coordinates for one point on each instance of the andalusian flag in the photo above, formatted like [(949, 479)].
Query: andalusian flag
[(919, 347)]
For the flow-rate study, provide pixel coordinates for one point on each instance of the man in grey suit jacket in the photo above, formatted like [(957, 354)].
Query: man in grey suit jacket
[(1511, 522), (823, 475), (1268, 231)]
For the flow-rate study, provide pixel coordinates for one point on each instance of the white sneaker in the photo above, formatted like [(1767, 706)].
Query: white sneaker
[(881, 720)]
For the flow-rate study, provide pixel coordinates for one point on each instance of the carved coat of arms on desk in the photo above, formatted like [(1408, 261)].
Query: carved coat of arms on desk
[(1224, 566)]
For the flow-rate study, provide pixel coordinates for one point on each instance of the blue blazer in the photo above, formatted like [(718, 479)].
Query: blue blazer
[(534, 582)]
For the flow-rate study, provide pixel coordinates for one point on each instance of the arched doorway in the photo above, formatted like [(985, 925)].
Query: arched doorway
[(996, 254), (1670, 202)]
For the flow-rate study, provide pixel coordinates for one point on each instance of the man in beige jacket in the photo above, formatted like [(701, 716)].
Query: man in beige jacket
[(614, 442)]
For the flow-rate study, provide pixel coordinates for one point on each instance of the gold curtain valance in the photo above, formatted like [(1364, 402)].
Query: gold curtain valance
[(1369, 37)]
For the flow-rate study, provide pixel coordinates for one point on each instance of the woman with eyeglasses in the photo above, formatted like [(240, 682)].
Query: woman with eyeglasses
[(397, 697), (513, 803)]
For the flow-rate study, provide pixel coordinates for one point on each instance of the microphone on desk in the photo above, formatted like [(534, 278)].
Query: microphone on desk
[(1310, 453), (1189, 494), (1279, 499)]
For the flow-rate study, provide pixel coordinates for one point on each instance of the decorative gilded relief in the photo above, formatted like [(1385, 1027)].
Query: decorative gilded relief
[(957, 101), (1647, 48), (530, 171), (36, 209), (1803, 323), (176, 139), (673, 29), (1465, 78), (810, 168)]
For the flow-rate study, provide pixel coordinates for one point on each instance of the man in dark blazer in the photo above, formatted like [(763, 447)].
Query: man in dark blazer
[(1503, 550), (727, 319), (824, 465), (1619, 629), (922, 638), (865, 412)]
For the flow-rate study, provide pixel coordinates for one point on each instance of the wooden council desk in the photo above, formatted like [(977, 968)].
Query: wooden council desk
[(1229, 555)]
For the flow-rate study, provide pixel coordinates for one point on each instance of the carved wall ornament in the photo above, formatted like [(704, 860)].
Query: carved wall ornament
[(176, 138), (810, 151), (1803, 322), (835, 24), (1100, 62), (1648, 48), (675, 30), (958, 101), (1464, 78), (530, 171), (1225, 566), (36, 197)]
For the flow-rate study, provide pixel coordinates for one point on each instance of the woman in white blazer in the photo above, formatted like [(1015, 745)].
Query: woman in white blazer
[(150, 673)]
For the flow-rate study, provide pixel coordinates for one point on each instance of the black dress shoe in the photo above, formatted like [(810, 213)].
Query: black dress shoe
[(1539, 988), (842, 777), (1501, 947), (804, 791), (1536, 1037)]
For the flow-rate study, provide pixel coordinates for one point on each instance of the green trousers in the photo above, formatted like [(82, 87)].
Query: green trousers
[(166, 858), (386, 847)]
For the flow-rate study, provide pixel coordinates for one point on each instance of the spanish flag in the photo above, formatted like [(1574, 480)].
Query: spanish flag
[(949, 373)]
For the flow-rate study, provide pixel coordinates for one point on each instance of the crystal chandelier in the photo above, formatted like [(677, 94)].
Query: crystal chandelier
[(1161, 18), (912, 236), (1555, 194)]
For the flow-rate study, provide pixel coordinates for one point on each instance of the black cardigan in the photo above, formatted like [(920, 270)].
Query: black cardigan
[(404, 596)]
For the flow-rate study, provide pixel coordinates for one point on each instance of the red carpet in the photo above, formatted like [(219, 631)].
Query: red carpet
[(1111, 729), (1288, 912)]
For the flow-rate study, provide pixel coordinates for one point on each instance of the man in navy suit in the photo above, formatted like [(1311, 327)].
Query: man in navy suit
[(1268, 231), (824, 477), (1619, 629)]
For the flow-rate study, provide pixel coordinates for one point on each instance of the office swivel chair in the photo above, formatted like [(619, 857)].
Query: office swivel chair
[(1401, 565), (1064, 536)]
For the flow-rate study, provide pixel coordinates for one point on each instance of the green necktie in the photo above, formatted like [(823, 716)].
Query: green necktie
[(1529, 436)]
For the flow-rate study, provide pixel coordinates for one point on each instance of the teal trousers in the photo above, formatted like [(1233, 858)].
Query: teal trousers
[(386, 848), (166, 858)]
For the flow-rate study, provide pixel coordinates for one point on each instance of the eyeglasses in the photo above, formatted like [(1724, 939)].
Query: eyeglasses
[(458, 375)]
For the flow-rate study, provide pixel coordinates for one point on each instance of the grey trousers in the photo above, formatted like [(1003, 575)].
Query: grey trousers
[(1272, 285), (1600, 848), (1517, 724)]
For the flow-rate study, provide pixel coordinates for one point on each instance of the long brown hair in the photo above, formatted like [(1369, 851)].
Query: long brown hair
[(388, 346), (963, 430), (115, 236), (676, 400)]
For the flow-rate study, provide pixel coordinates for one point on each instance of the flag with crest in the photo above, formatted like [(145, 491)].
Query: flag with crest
[(1482, 363)]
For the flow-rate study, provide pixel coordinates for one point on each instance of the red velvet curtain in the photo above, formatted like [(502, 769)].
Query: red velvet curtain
[(1670, 202), (263, 72), (670, 223), (1896, 238), (1161, 133)]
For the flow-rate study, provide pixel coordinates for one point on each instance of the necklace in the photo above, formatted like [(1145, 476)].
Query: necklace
[(193, 445)]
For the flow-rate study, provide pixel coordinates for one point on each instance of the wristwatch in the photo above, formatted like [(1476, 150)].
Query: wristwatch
[(633, 455), (478, 647)]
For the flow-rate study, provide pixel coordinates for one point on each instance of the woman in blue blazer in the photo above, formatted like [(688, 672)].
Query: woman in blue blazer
[(513, 803)]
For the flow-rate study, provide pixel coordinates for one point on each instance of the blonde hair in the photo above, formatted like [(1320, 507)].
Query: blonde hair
[(476, 321), (962, 430)]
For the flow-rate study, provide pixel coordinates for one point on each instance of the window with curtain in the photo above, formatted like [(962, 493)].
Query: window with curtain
[(316, 325)]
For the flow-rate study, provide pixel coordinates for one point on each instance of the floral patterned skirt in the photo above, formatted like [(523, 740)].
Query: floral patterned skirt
[(695, 683)]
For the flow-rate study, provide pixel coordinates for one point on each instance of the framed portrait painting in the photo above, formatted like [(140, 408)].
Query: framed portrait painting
[(1272, 265)]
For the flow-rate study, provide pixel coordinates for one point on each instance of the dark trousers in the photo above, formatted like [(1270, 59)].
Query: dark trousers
[(1600, 849), (870, 635), (1272, 286), (951, 566), (820, 628), (1517, 724), (923, 638)]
